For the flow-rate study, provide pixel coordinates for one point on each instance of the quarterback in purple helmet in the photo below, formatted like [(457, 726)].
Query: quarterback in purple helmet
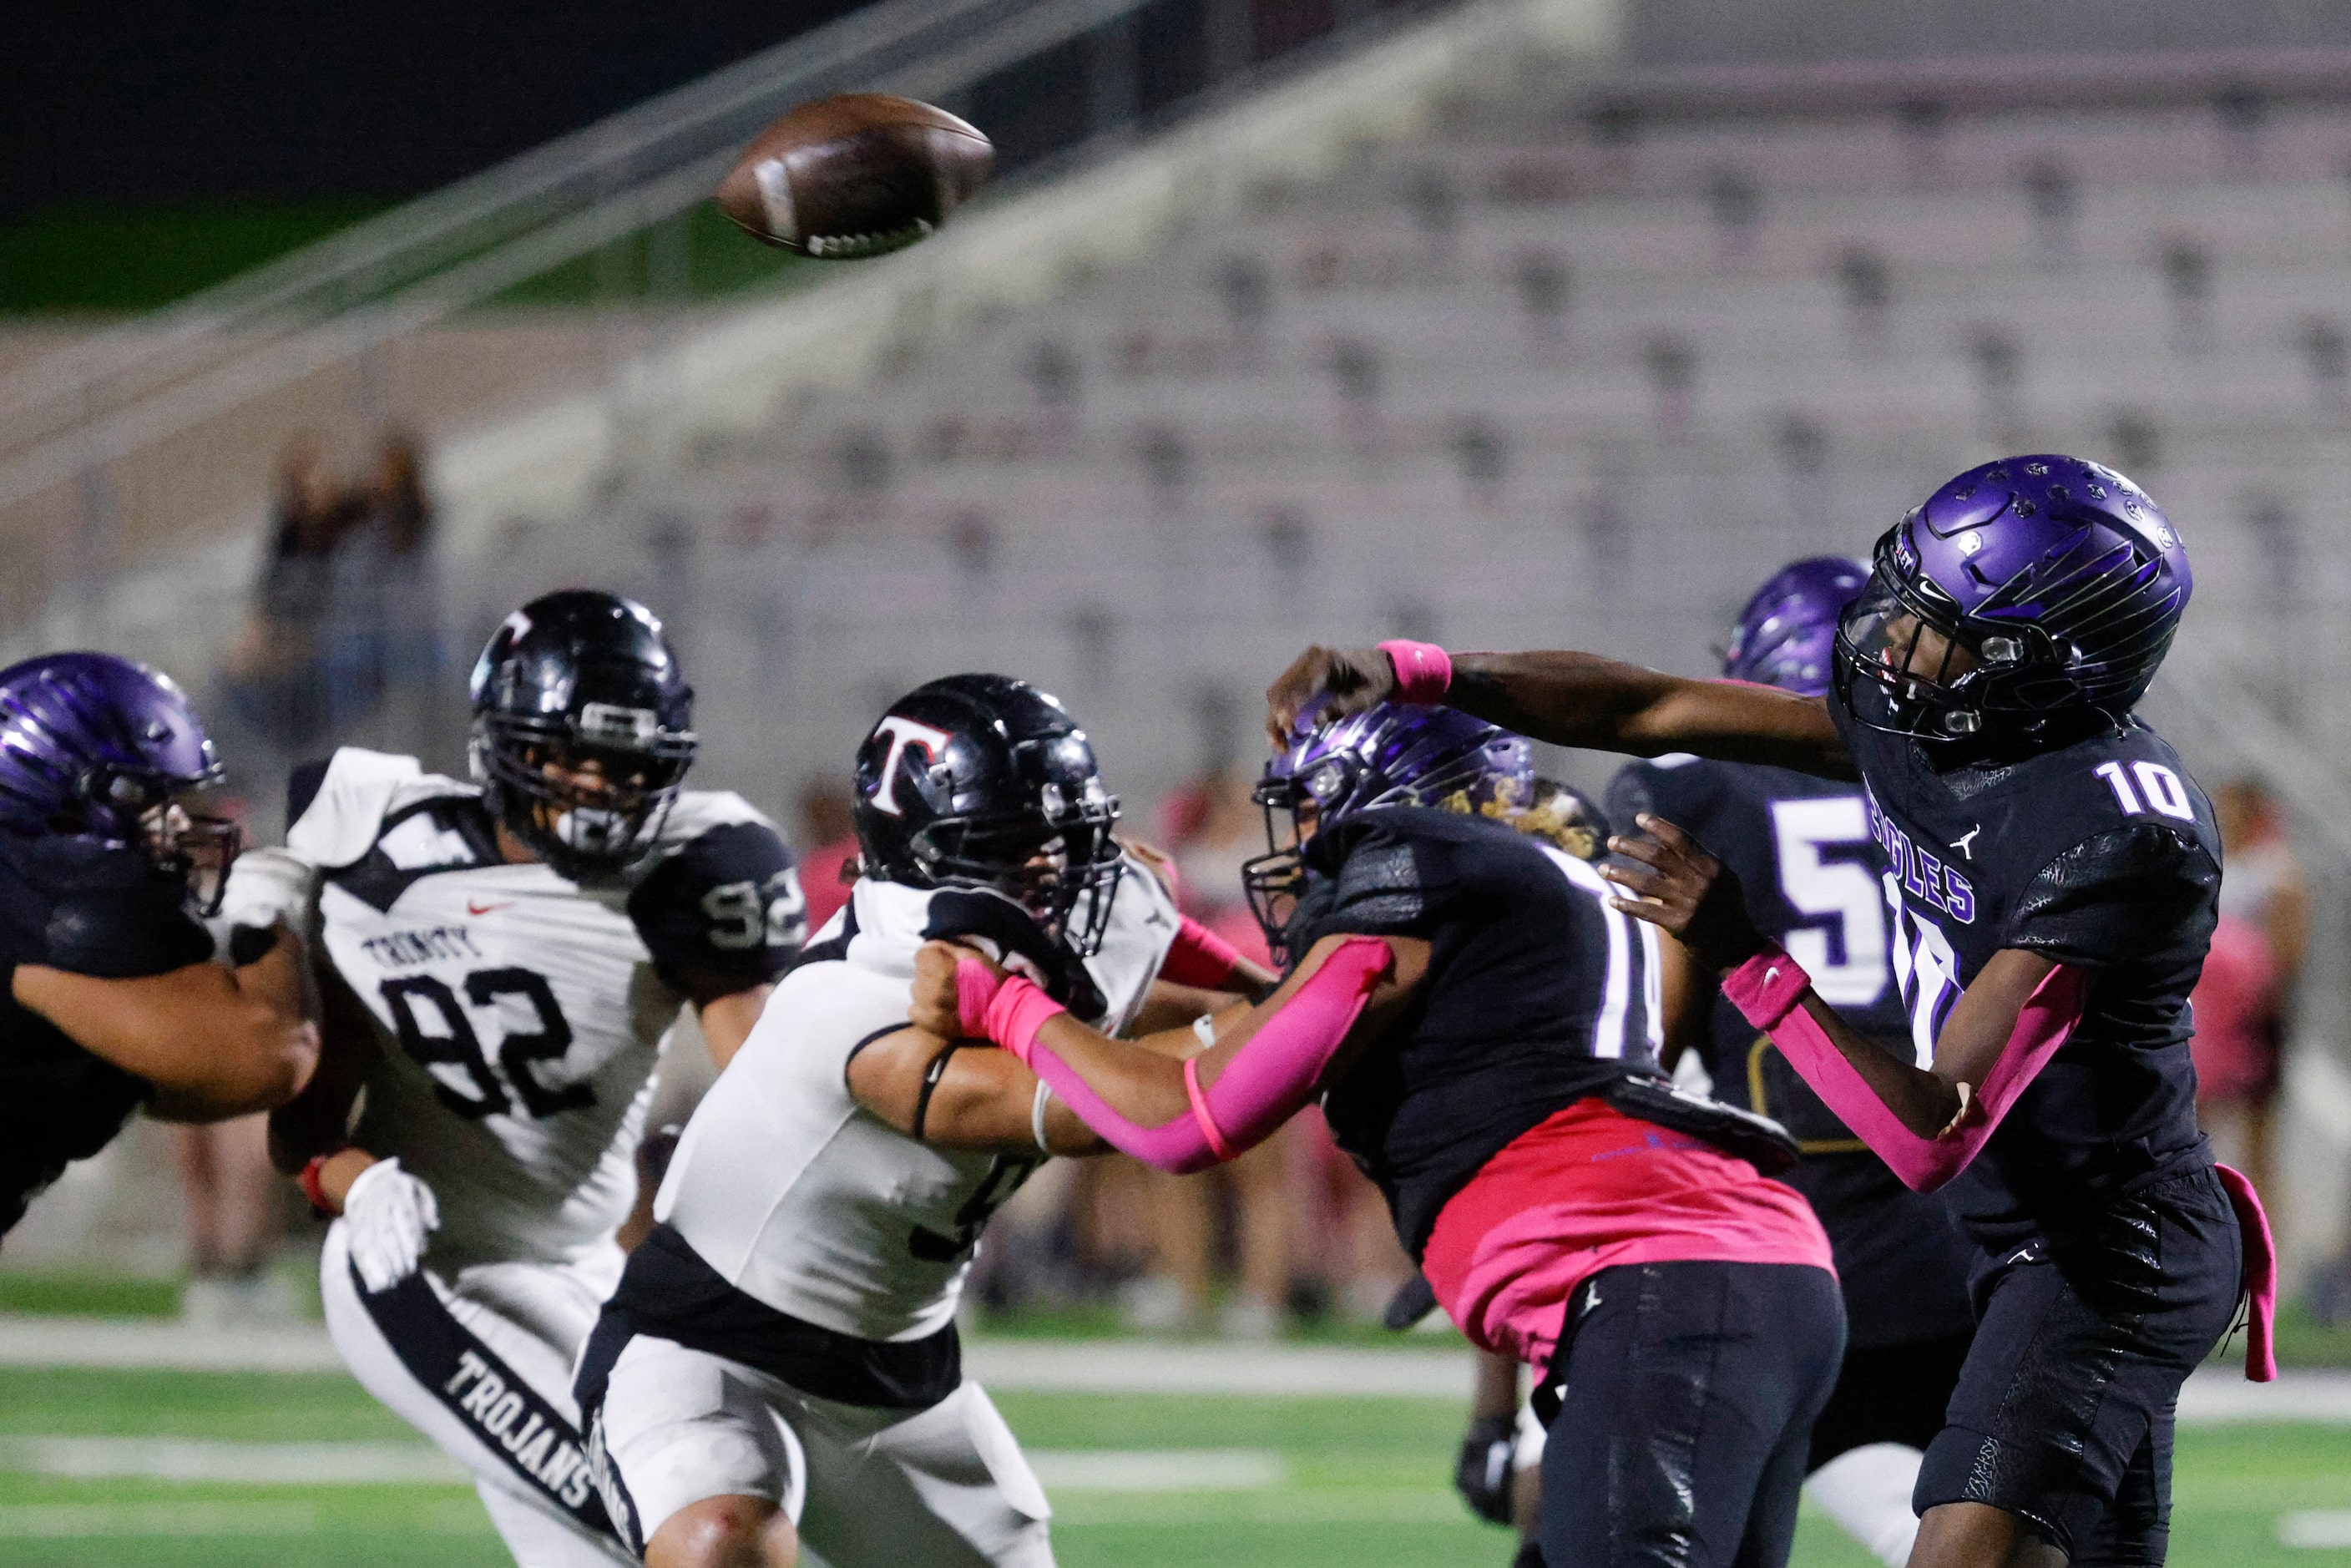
[(2051, 873), (115, 999)]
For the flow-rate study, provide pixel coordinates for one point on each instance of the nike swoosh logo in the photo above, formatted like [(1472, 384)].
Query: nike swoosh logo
[(1771, 974), (473, 908)]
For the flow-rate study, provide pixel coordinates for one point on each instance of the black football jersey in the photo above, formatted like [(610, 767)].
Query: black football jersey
[(92, 910), (2101, 855), (1801, 849), (1538, 994)]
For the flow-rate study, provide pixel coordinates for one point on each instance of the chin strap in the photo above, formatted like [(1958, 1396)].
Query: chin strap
[(1767, 990), (1263, 1085)]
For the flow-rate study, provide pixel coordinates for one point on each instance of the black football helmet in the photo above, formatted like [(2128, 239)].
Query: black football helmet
[(985, 782), (583, 682)]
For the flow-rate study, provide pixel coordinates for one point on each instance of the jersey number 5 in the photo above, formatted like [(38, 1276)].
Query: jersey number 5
[(453, 1043), (1853, 973)]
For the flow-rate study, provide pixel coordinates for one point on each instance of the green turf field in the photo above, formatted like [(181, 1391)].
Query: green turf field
[(1357, 1482)]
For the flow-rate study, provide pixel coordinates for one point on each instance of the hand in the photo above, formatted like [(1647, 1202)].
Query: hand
[(387, 1214), (1482, 1473), (1685, 893), (1351, 679), (937, 1004), (1970, 1115)]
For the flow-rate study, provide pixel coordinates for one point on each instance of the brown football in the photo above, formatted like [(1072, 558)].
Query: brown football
[(854, 175)]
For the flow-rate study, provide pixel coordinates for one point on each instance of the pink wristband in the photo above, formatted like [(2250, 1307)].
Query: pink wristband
[(1423, 670), (1767, 988), (1019, 1011), (976, 987), (1199, 956), (1201, 1115)]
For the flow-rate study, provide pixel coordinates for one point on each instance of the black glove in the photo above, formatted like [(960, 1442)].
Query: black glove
[(1482, 1474)]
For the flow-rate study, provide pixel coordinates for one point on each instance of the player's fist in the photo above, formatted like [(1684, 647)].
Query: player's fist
[(1328, 682), (387, 1215), (1481, 1474), (1684, 892), (953, 985)]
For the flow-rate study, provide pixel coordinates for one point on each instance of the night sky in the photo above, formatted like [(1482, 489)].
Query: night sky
[(269, 101)]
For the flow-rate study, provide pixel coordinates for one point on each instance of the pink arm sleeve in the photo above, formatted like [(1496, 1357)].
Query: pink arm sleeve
[(1769, 990), (1262, 1085)]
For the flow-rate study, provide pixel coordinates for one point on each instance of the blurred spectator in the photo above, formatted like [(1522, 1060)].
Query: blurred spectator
[(233, 1225), (410, 597), (277, 671), (2242, 1001), (829, 858)]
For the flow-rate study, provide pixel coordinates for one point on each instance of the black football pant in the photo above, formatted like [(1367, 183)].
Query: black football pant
[(2065, 1409), (1686, 1419)]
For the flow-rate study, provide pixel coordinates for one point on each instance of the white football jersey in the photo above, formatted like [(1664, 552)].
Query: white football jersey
[(801, 1198), (519, 1014)]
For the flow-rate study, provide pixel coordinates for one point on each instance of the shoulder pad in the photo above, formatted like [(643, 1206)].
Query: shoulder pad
[(125, 928), (349, 801), (2118, 896), (699, 810), (724, 904)]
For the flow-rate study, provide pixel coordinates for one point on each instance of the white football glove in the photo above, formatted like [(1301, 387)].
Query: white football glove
[(387, 1214)]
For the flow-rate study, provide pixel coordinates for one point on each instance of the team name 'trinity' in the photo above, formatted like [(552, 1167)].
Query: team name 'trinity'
[(1922, 875), (399, 949)]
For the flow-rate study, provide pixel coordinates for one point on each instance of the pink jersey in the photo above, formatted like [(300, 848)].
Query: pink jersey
[(1587, 1189)]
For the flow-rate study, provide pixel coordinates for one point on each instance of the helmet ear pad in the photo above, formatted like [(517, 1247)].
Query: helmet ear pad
[(983, 781), (581, 683)]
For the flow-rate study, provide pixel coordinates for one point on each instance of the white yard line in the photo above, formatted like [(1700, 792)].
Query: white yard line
[(1158, 1470), (83, 1520), (2218, 1393), (200, 1460), (28, 1339), (1124, 1470), (1115, 1367)]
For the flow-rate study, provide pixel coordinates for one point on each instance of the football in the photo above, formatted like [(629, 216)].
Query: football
[(854, 175)]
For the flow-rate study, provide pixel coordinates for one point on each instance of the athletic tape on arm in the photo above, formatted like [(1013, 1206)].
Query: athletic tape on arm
[(1767, 990), (1261, 1087), (1199, 957)]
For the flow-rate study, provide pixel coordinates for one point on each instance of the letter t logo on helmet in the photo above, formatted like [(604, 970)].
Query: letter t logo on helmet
[(903, 733)]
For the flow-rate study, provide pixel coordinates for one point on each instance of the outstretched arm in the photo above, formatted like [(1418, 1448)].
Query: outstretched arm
[(964, 1094), (1926, 1123), (1152, 1098), (1572, 699), (215, 1041)]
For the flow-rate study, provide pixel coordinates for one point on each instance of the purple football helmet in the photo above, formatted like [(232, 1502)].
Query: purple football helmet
[(1393, 754), (2025, 598), (1786, 636), (96, 746)]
